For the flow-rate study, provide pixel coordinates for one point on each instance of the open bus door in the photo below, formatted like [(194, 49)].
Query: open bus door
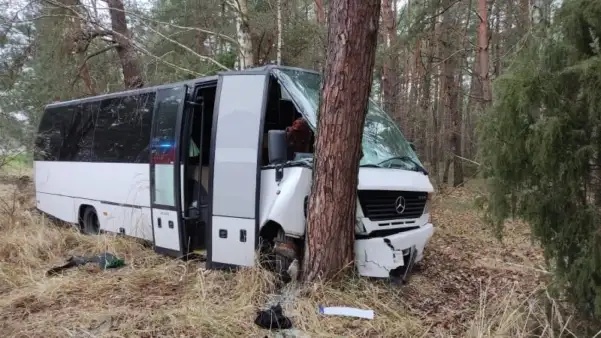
[(165, 172), (235, 179)]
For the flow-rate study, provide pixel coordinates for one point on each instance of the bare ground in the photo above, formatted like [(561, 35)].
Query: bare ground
[(469, 285)]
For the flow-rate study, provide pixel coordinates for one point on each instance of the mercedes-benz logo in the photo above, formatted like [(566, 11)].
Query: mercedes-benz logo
[(399, 205)]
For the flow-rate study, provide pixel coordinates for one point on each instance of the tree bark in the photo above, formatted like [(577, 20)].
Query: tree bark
[(473, 103), (436, 117), (450, 96), (279, 46), (524, 17), (132, 75), (320, 12), (463, 94), (390, 76), (352, 38), (320, 44), (245, 55), (414, 119), (483, 54), (81, 42), (496, 37)]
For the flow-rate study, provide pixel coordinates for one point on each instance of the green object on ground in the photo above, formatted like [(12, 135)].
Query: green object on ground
[(105, 261), (115, 263)]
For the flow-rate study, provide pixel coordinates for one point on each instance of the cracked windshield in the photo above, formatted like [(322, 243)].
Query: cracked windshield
[(383, 143)]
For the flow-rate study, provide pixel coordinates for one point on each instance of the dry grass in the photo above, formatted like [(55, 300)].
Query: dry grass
[(469, 285)]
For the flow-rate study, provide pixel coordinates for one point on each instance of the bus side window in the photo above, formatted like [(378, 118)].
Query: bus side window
[(122, 132), (48, 140)]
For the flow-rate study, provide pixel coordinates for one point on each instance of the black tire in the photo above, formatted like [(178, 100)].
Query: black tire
[(281, 262), (269, 258), (90, 223)]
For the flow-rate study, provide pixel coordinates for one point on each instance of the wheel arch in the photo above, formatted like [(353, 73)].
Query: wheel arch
[(81, 211), (270, 229)]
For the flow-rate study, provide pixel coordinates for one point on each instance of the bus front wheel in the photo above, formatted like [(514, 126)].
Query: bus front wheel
[(90, 222)]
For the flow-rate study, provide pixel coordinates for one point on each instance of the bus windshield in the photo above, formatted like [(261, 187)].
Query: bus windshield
[(383, 143)]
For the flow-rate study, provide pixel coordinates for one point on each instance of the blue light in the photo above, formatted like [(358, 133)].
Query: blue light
[(165, 145)]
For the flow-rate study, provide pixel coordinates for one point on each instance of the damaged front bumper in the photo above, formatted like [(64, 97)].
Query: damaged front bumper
[(379, 256)]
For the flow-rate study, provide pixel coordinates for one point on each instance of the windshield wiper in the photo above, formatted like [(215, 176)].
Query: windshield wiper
[(370, 166), (406, 158)]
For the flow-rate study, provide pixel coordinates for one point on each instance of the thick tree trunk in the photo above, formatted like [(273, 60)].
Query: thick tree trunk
[(352, 38), (132, 75)]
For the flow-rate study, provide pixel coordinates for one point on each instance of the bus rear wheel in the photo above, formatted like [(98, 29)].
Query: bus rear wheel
[(90, 223)]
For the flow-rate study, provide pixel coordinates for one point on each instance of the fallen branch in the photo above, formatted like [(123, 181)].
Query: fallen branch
[(467, 160)]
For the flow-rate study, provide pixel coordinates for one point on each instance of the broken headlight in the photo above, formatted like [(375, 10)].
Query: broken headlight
[(427, 206)]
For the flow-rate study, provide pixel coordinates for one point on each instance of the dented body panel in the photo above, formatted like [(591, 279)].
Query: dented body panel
[(378, 256)]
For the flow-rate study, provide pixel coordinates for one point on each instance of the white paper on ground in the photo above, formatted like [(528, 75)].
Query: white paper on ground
[(346, 311)]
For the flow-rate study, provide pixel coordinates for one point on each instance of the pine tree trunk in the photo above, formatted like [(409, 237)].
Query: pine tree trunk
[(81, 43), (352, 38), (390, 76), (320, 12), (462, 93), (483, 54), (450, 96), (432, 110), (413, 119), (425, 104), (320, 44), (497, 38), (473, 105), (524, 17), (132, 75)]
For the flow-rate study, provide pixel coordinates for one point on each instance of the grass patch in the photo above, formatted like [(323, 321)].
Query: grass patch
[(469, 285)]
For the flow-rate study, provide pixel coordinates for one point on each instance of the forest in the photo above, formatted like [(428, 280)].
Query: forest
[(501, 99)]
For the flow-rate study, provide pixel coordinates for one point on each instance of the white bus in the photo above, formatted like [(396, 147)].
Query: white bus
[(203, 165)]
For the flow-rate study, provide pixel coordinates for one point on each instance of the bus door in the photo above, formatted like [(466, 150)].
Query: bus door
[(165, 171), (232, 232)]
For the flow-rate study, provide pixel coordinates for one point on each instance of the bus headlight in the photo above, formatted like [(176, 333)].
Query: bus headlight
[(359, 227)]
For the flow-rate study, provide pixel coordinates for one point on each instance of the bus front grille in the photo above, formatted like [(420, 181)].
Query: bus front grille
[(382, 205)]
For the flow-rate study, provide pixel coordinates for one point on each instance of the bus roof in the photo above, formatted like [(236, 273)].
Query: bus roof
[(191, 83)]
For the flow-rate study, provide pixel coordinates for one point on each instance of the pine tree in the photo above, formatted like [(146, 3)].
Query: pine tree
[(541, 147)]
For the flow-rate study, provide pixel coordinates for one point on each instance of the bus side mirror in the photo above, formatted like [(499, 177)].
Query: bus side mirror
[(412, 146), (277, 146)]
